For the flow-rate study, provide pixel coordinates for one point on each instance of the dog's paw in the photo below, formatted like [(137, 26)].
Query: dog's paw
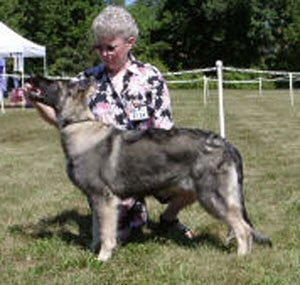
[(95, 246), (104, 255), (230, 238)]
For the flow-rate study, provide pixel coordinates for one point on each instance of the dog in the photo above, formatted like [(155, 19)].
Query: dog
[(182, 164)]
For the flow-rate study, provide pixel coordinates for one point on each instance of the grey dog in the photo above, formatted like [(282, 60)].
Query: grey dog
[(182, 164)]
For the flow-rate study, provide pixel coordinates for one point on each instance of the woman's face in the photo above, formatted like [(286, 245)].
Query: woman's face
[(113, 52)]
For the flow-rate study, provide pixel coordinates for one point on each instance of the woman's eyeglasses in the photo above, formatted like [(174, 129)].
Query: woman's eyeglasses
[(108, 48)]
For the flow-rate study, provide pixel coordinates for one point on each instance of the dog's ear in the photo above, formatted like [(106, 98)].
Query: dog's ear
[(82, 85), (91, 88), (86, 83)]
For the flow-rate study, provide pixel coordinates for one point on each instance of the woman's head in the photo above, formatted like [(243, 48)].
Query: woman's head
[(115, 33), (113, 22)]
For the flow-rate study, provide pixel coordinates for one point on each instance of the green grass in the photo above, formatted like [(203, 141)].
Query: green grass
[(45, 222)]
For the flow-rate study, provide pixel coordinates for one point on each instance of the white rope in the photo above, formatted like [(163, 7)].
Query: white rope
[(60, 77), (246, 70), (254, 81), (190, 71), (11, 75), (15, 75), (184, 81), (241, 81)]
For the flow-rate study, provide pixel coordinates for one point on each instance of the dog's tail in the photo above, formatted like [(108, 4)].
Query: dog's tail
[(258, 236)]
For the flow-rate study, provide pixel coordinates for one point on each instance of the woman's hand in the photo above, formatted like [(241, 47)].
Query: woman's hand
[(46, 112), (29, 88)]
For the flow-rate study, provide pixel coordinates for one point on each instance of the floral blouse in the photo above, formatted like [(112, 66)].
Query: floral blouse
[(143, 89)]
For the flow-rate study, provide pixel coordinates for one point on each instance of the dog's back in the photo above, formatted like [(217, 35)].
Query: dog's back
[(138, 163)]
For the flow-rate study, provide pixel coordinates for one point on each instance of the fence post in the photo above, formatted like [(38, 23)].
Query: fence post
[(2, 102), (219, 66), (204, 90), (291, 89), (260, 86)]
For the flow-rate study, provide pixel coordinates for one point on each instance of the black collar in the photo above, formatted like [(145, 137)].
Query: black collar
[(70, 122)]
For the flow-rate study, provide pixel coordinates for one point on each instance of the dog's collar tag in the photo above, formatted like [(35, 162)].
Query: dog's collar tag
[(139, 114)]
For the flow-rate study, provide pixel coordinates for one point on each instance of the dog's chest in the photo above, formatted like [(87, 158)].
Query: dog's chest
[(79, 139)]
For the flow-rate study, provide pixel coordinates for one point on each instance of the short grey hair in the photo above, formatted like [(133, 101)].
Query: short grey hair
[(114, 21)]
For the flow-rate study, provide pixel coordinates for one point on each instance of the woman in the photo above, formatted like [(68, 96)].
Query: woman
[(131, 95)]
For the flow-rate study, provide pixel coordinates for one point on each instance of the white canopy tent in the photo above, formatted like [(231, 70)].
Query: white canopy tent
[(12, 44)]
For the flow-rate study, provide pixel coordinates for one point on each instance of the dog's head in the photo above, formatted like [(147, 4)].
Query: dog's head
[(45, 91), (54, 93), (69, 98)]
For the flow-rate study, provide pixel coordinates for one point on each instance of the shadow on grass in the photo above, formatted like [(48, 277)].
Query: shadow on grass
[(75, 228), (70, 226), (155, 232)]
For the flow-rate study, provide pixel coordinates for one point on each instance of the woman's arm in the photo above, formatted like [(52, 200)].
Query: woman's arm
[(161, 101), (47, 113)]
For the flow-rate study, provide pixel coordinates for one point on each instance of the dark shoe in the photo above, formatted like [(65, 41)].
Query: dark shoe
[(176, 225)]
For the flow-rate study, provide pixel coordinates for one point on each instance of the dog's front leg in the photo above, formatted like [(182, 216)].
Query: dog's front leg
[(95, 232), (105, 218), (177, 202)]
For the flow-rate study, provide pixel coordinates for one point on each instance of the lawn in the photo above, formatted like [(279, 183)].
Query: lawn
[(45, 221)]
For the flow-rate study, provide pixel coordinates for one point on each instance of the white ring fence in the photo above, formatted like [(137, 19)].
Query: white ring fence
[(286, 76)]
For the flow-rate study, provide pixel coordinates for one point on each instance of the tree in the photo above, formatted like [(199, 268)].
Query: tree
[(241, 33), (200, 32), (177, 34), (115, 2), (289, 57), (270, 21), (63, 26), (145, 13)]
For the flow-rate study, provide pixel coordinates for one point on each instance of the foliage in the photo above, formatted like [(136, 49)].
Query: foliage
[(62, 25), (269, 23), (290, 52), (145, 49), (241, 33)]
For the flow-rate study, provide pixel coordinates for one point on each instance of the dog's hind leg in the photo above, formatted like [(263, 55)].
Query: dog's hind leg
[(241, 229), (105, 218), (232, 194), (220, 194), (230, 237), (180, 200)]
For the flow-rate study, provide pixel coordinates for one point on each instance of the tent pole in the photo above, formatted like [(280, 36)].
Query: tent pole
[(23, 80), (2, 104), (22, 69), (45, 66)]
